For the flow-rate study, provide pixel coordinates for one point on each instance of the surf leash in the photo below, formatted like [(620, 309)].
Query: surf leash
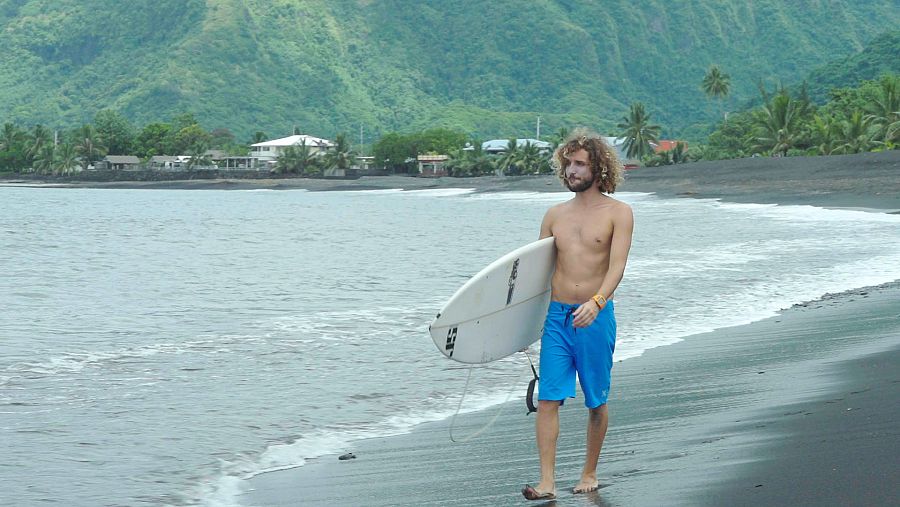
[(529, 396), (499, 410)]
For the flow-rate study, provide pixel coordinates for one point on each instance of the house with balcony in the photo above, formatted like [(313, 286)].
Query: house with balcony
[(266, 153)]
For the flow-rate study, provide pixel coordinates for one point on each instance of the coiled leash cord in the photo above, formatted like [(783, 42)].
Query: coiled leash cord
[(528, 401)]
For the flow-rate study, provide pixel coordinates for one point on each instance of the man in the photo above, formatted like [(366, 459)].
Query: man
[(592, 234)]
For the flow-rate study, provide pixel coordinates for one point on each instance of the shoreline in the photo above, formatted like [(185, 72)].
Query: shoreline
[(861, 181), (679, 434)]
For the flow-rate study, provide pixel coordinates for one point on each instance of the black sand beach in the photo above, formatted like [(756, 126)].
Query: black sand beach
[(798, 409)]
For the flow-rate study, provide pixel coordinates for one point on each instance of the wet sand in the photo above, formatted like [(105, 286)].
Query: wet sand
[(798, 409)]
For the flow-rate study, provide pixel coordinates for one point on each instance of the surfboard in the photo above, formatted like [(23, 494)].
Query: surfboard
[(501, 309)]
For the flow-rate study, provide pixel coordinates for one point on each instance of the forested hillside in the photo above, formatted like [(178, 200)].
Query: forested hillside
[(485, 67), (881, 56)]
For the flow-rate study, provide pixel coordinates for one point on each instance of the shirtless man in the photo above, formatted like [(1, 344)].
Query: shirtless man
[(593, 236)]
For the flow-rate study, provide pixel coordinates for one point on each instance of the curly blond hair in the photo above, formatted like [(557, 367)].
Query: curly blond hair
[(602, 158)]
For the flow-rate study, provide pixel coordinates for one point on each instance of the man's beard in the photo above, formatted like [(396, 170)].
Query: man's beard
[(580, 186)]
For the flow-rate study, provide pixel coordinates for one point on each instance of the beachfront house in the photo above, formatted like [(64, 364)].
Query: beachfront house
[(265, 154), (164, 163), (495, 146), (119, 163), (432, 166), (667, 145)]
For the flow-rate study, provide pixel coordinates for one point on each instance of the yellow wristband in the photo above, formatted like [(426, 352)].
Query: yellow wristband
[(600, 300)]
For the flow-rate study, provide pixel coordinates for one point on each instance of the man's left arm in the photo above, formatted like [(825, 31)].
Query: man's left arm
[(623, 226)]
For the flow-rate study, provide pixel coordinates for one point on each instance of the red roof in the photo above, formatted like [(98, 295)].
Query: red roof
[(668, 145)]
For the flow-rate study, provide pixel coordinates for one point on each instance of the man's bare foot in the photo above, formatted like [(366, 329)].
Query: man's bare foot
[(586, 485), (538, 493)]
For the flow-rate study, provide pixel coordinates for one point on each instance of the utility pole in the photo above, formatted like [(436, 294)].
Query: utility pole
[(360, 139), (538, 135)]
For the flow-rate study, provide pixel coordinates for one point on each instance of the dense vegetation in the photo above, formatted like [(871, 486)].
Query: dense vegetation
[(485, 68)]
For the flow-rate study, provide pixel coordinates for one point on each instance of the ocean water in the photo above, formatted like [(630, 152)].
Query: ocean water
[(159, 347)]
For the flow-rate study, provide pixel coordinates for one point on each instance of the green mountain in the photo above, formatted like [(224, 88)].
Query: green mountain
[(486, 67), (881, 56)]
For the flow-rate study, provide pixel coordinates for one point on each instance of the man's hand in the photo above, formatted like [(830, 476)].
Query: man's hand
[(585, 314)]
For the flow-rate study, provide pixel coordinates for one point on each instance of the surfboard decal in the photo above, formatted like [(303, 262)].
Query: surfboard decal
[(512, 281), (451, 340)]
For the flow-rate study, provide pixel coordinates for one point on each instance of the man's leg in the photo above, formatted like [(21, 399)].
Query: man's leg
[(598, 421), (547, 429)]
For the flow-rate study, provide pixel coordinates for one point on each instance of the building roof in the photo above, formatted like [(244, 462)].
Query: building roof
[(122, 159), (294, 140), (502, 144), (160, 159)]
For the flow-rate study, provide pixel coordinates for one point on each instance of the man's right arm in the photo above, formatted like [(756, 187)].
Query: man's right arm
[(547, 224)]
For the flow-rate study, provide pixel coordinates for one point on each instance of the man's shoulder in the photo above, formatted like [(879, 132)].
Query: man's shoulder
[(618, 206)]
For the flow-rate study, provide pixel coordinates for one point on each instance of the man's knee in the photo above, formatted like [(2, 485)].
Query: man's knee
[(548, 406), (599, 412)]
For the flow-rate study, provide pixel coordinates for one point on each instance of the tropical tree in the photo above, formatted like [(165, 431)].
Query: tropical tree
[(559, 137), (530, 159), (66, 159), (638, 132), (508, 162), (259, 137), (855, 134), (155, 139), (824, 133), (677, 155), (340, 155), (116, 131), (470, 162), (779, 123), (39, 137), (88, 146), (884, 110), (42, 161), (12, 147), (10, 137), (197, 156), (717, 84), (298, 159)]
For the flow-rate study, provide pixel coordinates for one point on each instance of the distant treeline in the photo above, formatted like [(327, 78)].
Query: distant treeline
[(788, 122)]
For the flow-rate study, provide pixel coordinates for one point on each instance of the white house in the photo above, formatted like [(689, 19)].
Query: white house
[(500, 145), (266, 153)]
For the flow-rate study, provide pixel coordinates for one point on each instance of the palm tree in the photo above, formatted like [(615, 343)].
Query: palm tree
[(856, 134), (42, 161), (779, 123), (10, 137), (66, 159), (198, 156), (717, 84), (560, 136), (885, 110), (530, 159), (637, 132), (339, 157), (508, 162), (825, 131), (298, 159), (88, 146), (39, 137)]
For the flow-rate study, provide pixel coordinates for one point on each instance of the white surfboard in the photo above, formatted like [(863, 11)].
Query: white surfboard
[(500, 310)]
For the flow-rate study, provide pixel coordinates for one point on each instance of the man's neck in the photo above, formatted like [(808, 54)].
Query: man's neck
[(589, 197)]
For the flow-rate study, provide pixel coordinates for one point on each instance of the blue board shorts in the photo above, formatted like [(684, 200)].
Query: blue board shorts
[(566, 350)]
